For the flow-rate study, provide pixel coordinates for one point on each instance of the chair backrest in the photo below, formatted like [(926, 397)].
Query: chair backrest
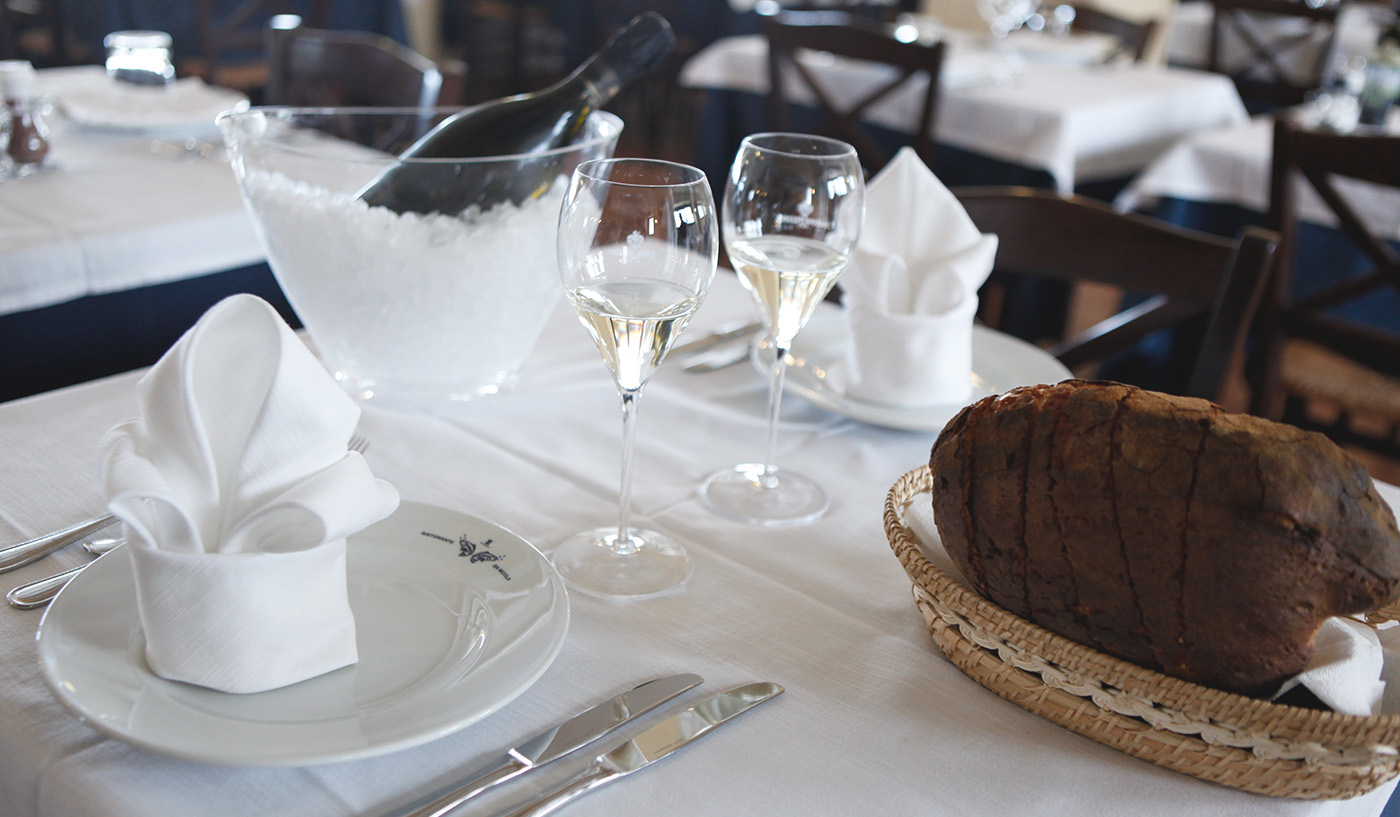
[(1133, 37), (229, 38), (789, 33), (1280, 47), (317, 67), (1187, 275), (1324, 161)]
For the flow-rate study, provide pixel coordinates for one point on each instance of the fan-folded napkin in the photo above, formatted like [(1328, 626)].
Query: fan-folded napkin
[(1353, 669), (237, 492), (910, 290)]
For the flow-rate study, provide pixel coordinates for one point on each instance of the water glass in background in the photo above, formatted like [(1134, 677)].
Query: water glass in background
[(140, 58)]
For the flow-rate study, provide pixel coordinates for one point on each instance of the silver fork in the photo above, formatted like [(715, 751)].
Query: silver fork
[(38, 593)]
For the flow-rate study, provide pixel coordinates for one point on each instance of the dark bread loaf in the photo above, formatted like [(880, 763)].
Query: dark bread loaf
[(1162, 530)]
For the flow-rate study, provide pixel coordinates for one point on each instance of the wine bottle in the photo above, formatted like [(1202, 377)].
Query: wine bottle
[(518, 125)]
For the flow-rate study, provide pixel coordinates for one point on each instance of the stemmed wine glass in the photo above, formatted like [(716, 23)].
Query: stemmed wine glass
[(638, 246), (793, 210)]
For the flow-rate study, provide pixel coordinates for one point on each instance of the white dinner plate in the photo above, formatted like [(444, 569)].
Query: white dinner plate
[(818, 371), (454, 616), (188, 106)]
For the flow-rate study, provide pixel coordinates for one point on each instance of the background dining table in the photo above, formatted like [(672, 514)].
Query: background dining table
[(874, 719), (1056, 111)]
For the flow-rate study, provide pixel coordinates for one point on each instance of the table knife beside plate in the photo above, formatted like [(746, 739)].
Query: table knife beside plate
[(653, 744), (553, 743)]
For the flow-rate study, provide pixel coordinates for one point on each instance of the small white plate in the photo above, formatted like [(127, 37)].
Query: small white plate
[(817, 372), (455, 617), (189, 106)]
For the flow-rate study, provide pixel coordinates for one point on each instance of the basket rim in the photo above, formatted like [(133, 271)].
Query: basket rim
[(1212, 707)]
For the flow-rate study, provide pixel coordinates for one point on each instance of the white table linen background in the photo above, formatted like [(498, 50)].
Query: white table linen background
[(1078, 123), (111, 214), (874, 721), (1231, 165)]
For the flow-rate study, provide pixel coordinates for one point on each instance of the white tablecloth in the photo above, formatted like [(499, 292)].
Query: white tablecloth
[(111, 214), (875, 720), (1358, 25), (1077, 122), (1231, 166)]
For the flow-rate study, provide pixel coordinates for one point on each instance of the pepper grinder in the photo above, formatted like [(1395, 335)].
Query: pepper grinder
[(26, 135)]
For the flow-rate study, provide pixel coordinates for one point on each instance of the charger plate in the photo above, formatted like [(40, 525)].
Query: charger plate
[(1233, 740), (454, 618)]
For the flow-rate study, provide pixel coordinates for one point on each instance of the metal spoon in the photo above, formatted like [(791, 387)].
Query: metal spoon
[(41, 592)]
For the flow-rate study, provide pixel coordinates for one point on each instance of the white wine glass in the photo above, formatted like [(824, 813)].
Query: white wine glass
[(794, 206), (638, 245)]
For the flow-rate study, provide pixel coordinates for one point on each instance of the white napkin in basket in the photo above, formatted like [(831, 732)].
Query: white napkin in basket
[(1354, 669), (910, 291), (237, 492)]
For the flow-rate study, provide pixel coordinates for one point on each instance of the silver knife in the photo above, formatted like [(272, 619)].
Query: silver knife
[(25, 552), (722, 335), (574, 733), (653, 744)]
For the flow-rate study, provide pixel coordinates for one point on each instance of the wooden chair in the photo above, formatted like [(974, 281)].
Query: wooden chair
[(230, 39), (837, 33), (1314, 368), (1188, 276), (320, 68), (36, 30), (1132, 37), (1276, 70)]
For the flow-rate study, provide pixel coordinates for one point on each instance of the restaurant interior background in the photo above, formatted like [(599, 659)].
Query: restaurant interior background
[(489, 49)]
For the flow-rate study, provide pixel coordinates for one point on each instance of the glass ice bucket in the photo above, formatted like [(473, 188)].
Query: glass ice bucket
[(404, 308)]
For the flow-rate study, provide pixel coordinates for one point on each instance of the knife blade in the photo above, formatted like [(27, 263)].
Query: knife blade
[(555, 742), (653, 744), (722, 335)]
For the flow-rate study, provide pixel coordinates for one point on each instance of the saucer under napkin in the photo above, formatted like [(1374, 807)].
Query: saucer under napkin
[(238, 491), (910, 291)]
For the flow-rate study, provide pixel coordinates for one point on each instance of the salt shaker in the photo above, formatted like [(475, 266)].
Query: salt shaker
[(27, 137)]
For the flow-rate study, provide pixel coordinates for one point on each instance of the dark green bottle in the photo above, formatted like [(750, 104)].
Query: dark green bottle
[(518, 125)]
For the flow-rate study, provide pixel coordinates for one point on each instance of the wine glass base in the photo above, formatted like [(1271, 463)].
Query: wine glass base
[(783, 499), (591, 563)]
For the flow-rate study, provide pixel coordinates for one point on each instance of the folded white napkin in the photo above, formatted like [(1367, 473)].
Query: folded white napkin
[(910, 291), (1354, 669), (237, 492)]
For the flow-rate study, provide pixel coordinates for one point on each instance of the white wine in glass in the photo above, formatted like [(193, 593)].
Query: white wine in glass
[(794, 206), (638, 245)]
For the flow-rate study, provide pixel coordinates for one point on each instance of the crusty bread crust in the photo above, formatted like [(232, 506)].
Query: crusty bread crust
[(1162, 530)]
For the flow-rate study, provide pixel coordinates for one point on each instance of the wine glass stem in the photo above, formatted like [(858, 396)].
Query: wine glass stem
[(775, 401), (624, 545)]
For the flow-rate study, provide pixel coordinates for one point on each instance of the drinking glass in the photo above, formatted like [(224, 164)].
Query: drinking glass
[(793, 210), (638, 245)]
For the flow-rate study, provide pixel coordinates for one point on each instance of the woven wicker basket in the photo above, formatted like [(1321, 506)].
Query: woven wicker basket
[(1241, 742)]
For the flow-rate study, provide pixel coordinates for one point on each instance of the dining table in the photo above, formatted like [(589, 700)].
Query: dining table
[(120, 203), (1358, 26), (874, 719), (1050, 105), (132, 227)]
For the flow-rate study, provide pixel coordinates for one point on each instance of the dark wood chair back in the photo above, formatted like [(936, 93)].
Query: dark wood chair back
[(1306, 352), (321, 68), (1275, 70), (1185, 274), (1133, 37), (854, 38), (37, 31)]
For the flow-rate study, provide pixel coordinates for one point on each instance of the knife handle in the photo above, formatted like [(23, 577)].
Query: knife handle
[(591, 778), (443, 804)]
